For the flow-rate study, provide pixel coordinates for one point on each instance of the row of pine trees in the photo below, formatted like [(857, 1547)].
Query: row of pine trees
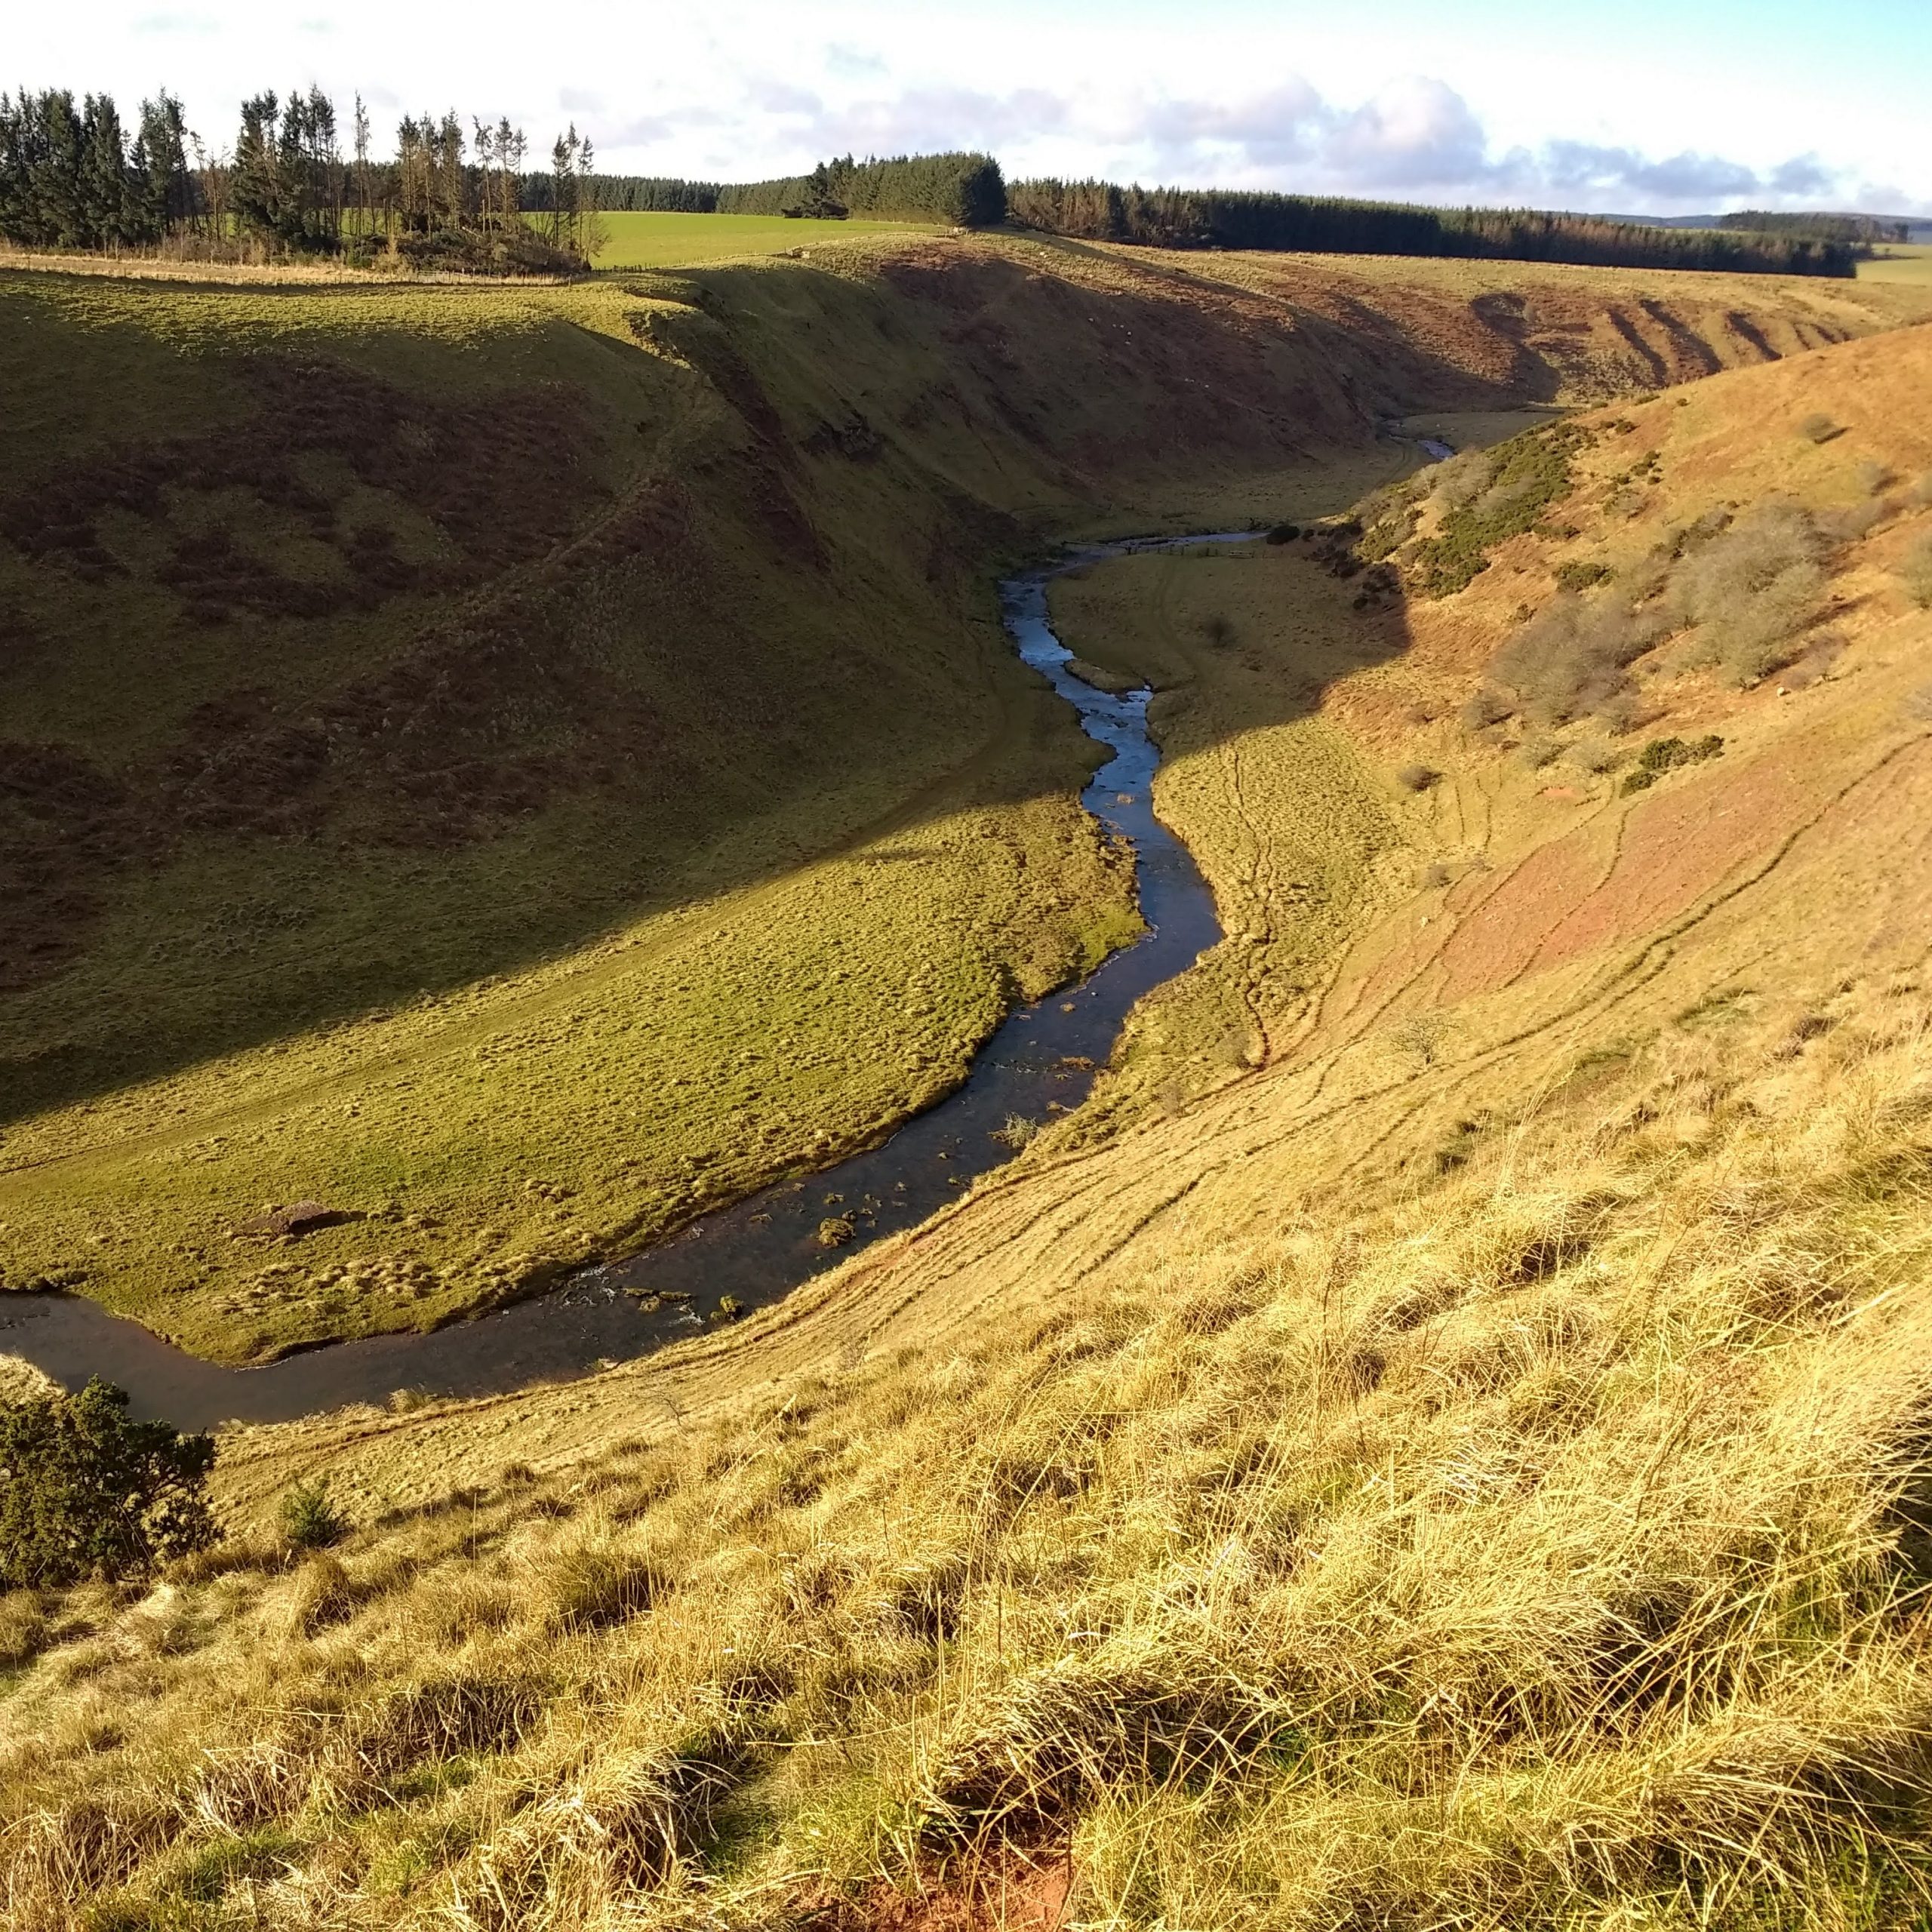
[(75, 176), (1209, 218)]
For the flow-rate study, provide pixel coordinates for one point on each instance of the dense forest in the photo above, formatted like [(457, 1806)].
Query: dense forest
[(72, 178), (78, 176), (638, 194), (1209, 218), (963, 190)]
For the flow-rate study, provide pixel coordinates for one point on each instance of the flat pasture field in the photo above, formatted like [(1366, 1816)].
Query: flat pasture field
[(1900, 261), (640, 240)]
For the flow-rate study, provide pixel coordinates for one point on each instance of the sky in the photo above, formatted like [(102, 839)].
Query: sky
[(1643, 106)]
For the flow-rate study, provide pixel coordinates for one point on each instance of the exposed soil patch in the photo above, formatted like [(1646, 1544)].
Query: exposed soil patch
[(1011, 1893)]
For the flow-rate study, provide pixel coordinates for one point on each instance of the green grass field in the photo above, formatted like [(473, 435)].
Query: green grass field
[(643, 241), (1899, 262)]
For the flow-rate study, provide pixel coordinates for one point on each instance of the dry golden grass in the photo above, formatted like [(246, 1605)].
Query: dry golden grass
[(1537, 1547)]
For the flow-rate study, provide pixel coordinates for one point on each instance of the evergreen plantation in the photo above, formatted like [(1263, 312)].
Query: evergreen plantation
[(79, 177), (1209, 218)]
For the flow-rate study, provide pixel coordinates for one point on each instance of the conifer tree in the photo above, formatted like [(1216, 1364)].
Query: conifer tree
[(255, 188)]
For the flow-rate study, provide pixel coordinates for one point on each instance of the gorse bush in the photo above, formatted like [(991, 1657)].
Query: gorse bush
[(1751, 590), (1663, 755), (86, 1490), (1525, 476)]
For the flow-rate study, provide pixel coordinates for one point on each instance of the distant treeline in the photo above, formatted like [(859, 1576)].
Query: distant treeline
[(74, 176), (635, 194), (1859, 230), (963, 190), (1209, 218)]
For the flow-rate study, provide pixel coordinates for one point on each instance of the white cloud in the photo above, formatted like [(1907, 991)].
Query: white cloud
[(1412, 100), (1415, 133)]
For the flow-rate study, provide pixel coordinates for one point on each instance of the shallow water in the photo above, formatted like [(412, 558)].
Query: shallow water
[(760, 1250)]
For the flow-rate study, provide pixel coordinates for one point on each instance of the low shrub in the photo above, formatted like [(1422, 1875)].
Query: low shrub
[(85, 1490), (1484, 707), (1663, 755), (1284, 533), (310, 1519), (1578, 576), (1418, 778), (1819, 428), (1460, 480), (1915, 573), (1750, 591), (1872, 476), (1571, 656)]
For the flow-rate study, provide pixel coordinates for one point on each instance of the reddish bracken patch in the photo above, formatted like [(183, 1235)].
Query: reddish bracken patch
[(1014, 1893)]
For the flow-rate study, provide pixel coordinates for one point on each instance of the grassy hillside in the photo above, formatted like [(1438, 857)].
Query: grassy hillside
[(441, 721), (1462, 1465)]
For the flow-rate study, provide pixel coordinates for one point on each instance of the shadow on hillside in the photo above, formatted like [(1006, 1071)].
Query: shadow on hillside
[(777, 617)]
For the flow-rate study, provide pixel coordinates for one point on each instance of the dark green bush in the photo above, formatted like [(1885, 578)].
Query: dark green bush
[(1531, 472), (86, 1490), (1576, 577), (310, 1519), (1663, 755)]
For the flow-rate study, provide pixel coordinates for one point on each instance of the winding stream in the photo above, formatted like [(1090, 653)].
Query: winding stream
[(758, 1250)]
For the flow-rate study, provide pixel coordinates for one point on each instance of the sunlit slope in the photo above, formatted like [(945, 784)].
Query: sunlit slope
[(1465, 1468), (518, 766)]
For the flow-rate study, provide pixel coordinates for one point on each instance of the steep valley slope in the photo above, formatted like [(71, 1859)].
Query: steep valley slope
[(1440, 1443), (517, 768)]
